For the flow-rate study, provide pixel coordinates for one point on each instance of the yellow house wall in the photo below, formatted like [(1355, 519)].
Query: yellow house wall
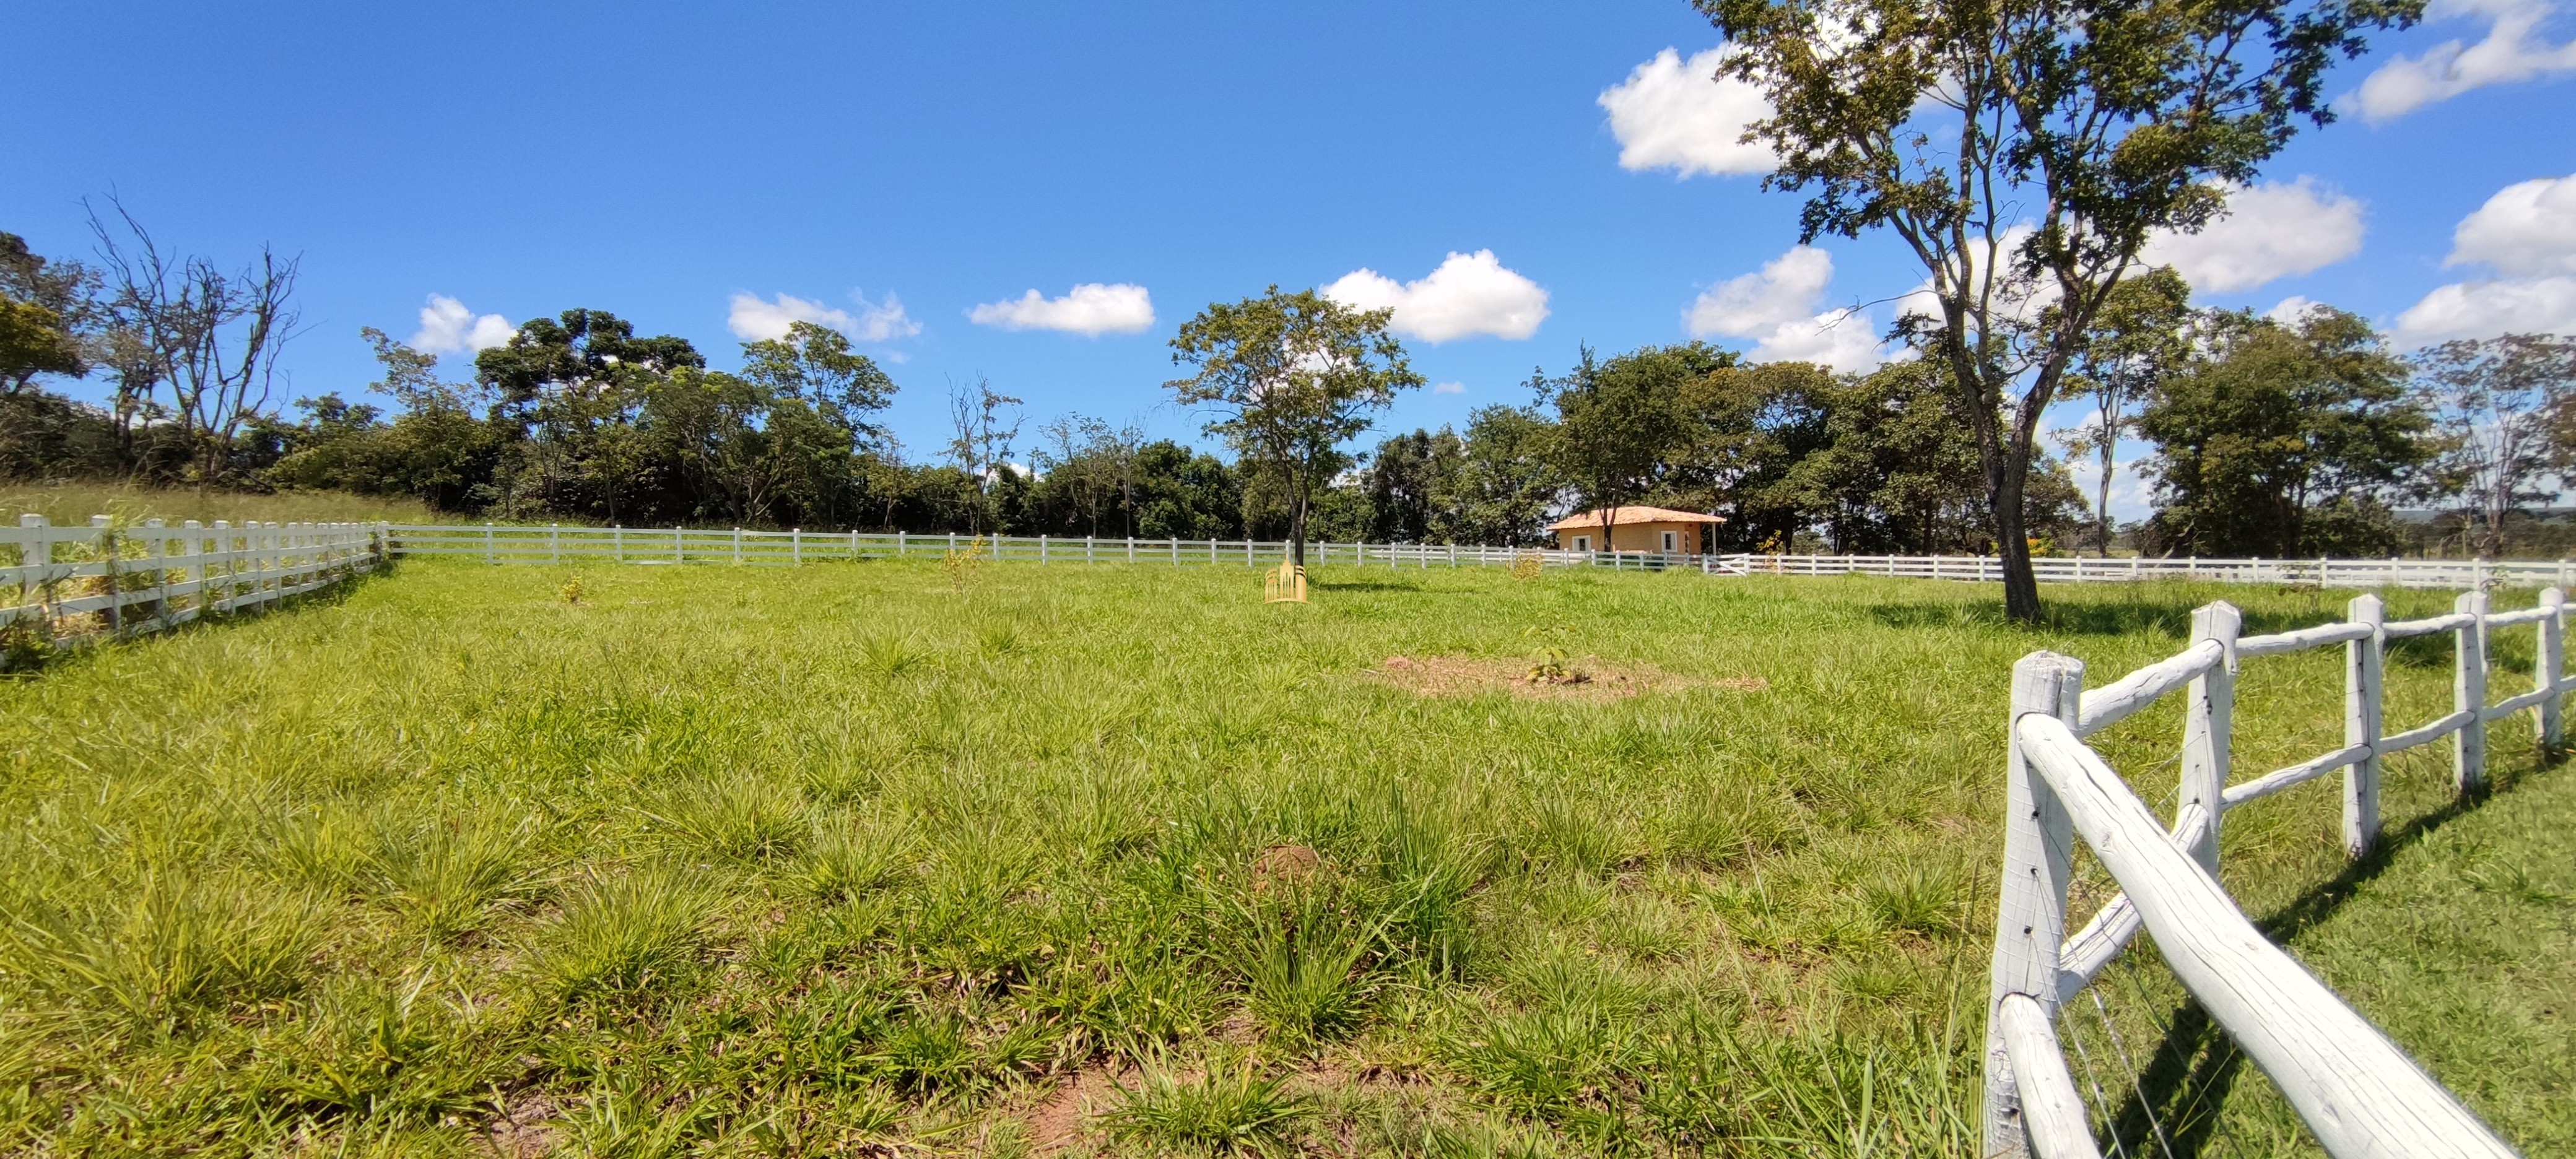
[(1635, 537)]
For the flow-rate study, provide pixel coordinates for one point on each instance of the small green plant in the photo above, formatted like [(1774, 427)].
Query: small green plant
[(25, 644), (1226, 1110), (573, 590), (964, 565), (1528, 565), (1550, 662)]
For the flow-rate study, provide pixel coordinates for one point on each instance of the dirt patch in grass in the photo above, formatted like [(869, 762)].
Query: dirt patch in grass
[(1587, 679), (1056, 1125), (525, 1128)]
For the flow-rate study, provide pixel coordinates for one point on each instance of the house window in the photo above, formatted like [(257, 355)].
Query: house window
[(1583, 543), (1670, 538)]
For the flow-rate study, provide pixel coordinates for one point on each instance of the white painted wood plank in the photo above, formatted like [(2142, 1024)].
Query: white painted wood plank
[(2052, 1110), (2360, 1094), (2117, 701), (2280, 643), (2298, 774)]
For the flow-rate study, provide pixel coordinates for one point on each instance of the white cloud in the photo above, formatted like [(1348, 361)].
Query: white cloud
[(752, 319), (2268, 232), (1674, 115), (2526, 228), (2527, 232), (1469, 294), (1776, 307), (1449, 388), (2486, 309), (2290, 311), (2512, 51), (447, 327), (1092, 309)]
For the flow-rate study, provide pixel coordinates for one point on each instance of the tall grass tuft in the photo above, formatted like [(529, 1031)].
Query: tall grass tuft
[(848, 856), (168, 950), (624, 935), (742, 818), (443, 878), (1305, 978), (1227, 1110)]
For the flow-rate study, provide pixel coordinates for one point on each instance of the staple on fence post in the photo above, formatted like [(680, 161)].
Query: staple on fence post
[(2030, 918), (2364, 690), (2546, 722), (2209, 726), (2469, 695)]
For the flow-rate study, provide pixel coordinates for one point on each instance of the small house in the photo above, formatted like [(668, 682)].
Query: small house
[(1636, 528)]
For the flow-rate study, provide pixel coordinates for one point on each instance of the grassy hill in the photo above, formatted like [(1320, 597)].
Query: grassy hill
[(1007, 860)]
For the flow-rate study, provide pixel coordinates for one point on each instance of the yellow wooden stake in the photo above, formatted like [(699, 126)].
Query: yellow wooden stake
[(1285, 584)]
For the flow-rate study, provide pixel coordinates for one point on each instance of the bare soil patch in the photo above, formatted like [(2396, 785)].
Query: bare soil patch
[(1589, 678)]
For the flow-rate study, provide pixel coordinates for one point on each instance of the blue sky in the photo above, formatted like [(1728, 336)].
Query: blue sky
[(660, 162)]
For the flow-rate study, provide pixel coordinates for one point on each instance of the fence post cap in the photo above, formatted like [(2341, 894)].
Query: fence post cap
[(98, 521)]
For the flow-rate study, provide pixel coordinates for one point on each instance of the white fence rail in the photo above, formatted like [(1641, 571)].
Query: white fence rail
[(495, 543), (521, 543), (2324, 573), (2359, 1093), (76, 585)]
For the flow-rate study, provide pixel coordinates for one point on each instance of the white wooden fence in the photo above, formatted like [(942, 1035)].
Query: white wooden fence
[(2324, 573), (2356, 1090), (75, 585), (521, 543), (498, 543)]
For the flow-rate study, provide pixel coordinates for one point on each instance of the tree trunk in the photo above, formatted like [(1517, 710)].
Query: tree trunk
[(1297, 530), (2012, 543), (2102, 505)]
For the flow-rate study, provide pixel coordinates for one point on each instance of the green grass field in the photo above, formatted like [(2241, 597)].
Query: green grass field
[(1121, 861), (72, 503)]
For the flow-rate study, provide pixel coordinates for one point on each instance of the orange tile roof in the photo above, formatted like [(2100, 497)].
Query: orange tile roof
[(1632, 514)]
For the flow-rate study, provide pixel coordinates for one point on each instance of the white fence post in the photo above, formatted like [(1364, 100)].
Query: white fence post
[(2030, 921), (2469, 695), (2364, 688), (2209, 727), (2549, 658)]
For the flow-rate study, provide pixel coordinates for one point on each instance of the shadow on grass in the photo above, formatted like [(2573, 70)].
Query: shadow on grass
[(2188, 1077), (2110, 617), (1366, 585), (21, 662)]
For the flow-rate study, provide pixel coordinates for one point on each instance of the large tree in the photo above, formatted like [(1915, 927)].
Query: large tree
[(1620, 423), (2285, 440), (1290, 377), (2025, 151), (573, 385)]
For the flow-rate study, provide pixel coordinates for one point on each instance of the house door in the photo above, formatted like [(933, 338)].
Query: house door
[(1672, 540)]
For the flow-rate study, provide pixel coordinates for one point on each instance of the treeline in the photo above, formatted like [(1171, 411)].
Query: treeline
[(2266, 436)]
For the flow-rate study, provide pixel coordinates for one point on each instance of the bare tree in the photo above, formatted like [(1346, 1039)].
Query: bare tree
[(984, 437), (2494, 400), (211, 337)]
